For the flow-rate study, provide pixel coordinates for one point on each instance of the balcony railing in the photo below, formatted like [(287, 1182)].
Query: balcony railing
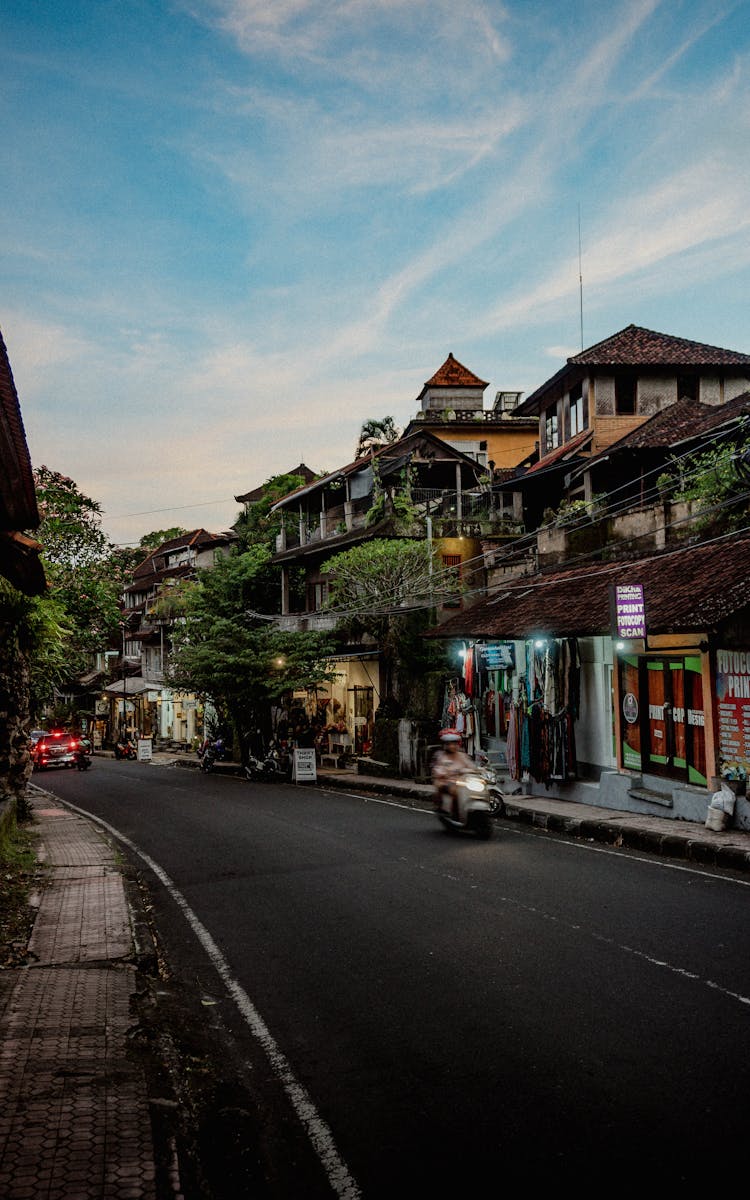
[(451, 510)]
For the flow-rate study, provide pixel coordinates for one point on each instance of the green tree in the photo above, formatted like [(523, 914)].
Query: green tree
[(716, 482), (157, 537), (258, 526), (383, 588), (223, 652), (375, 432), (84, 572), (33, 656)]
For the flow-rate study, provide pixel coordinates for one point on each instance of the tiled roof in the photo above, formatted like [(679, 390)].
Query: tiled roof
[(18, 507), (454, 374), (198, 539), (693, 588), (414, 437), (635, 346), (257, 493), (576, 443), (153, 574), (681, 422)]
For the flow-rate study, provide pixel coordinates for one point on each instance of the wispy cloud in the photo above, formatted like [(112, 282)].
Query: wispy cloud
[(309, 29), (232, 237)]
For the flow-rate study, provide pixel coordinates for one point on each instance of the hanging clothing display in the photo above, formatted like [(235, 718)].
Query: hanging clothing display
[(469, 672), (541, 734), (512, 743), (460, 714)]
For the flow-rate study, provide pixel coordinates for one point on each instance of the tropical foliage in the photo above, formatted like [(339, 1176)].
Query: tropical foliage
[(223, 650), (375, 432), (716, 482), (382, 588), (84, 571)]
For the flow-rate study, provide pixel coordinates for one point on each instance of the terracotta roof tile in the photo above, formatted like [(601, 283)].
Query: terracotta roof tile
[(197, 538), (693, 588), (682, 421), (454, 374), (635, 346), (576, 443), (18, 507)]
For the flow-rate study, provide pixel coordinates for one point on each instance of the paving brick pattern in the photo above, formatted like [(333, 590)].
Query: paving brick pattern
[(83, 919), (74, 1108)]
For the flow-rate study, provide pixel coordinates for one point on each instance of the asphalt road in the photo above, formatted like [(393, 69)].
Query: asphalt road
[(443, 1013)]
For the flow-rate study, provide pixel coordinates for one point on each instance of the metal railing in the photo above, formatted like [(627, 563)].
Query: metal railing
[(485, 505)]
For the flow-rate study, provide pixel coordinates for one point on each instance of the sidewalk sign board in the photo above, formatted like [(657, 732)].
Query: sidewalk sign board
[(303, 767), (145, 746)]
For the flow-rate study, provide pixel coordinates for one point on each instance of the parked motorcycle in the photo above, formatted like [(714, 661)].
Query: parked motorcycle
[(209, 755), (124, 748), (210, 751), (273, 766), (472, 811)]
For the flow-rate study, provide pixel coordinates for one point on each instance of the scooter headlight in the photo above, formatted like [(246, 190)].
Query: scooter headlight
[(475, 785)]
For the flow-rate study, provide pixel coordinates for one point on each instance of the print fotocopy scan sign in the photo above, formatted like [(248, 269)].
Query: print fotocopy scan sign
[(628, 611)]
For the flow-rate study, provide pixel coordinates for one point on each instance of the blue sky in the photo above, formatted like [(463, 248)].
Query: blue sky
[(233, 230)]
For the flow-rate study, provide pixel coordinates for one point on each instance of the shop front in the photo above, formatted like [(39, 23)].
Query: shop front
[(539, 707), (340, 711), (663, 715), (663, 707)]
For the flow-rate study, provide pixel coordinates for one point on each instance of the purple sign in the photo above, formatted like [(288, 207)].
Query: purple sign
[(630, 611)]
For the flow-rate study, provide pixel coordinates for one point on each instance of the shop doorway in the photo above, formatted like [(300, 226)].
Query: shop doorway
[(663, 728), (363, 701)]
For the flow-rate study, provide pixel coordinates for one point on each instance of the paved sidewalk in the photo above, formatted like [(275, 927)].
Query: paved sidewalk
[(74, 1117)]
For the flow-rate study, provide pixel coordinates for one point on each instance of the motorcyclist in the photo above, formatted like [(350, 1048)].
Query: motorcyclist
[(448, 765)]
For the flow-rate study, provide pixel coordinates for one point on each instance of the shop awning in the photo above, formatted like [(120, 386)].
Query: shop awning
[(133, 686)]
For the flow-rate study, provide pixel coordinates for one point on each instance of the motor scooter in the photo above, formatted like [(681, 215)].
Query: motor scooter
[(124, 748), (213, 750), (494, 791), (209, 755), (83, 761), (272, 766), (471, 812)]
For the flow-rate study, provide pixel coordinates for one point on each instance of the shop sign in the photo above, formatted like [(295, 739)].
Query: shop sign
[(494, 656), (101, 708), (630, 708), (303, 765), (145, 747), (733, 699), (629, 611)]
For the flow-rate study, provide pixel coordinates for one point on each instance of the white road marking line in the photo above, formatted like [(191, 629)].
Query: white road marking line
[(615, 852)]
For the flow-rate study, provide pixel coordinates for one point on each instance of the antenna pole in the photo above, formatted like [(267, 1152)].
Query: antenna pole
[(580, 273)]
